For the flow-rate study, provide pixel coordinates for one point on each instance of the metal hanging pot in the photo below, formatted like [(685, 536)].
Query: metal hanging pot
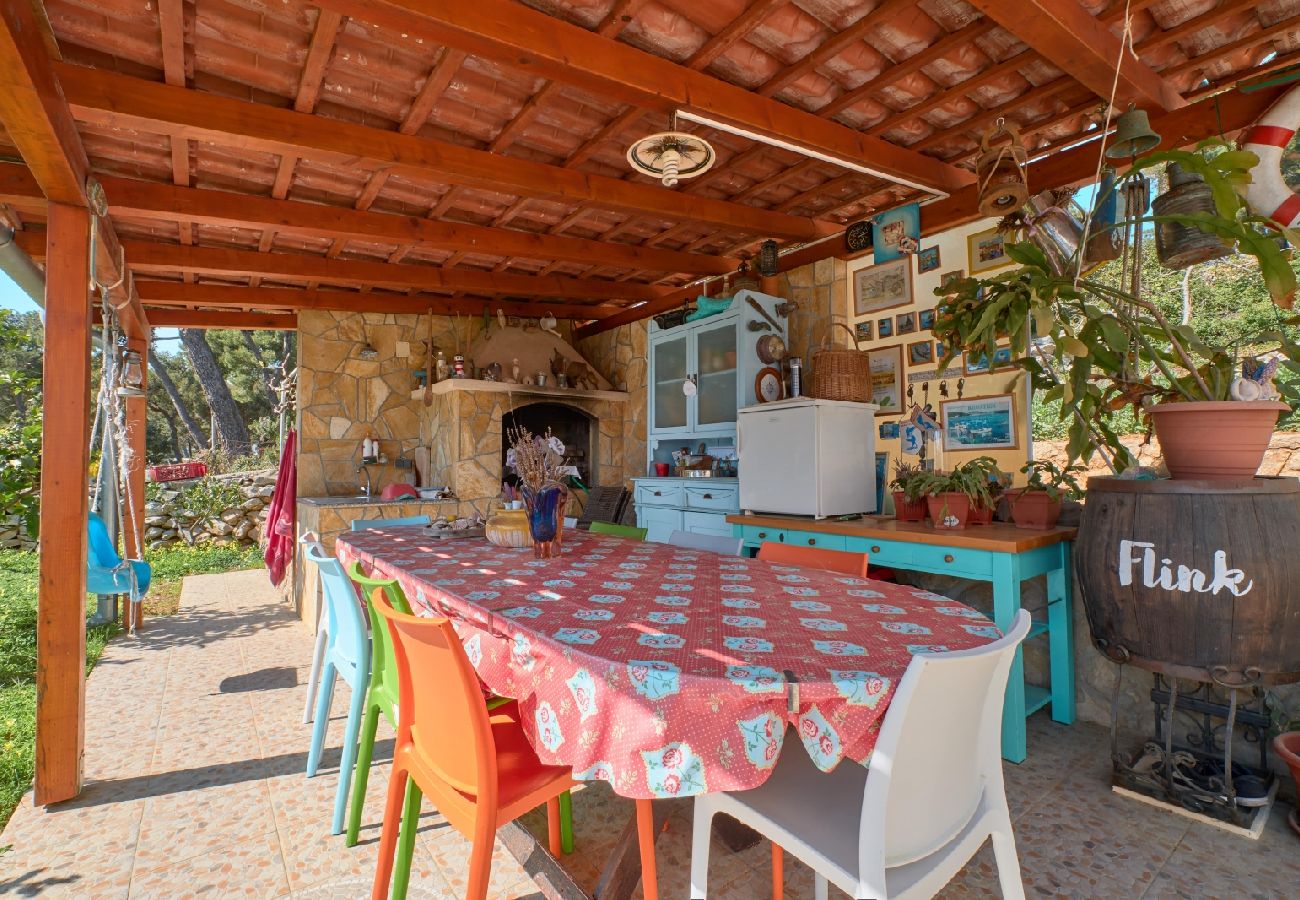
[(1179, 246)]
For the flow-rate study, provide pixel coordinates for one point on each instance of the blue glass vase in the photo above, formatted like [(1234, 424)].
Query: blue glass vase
[(546, 518)]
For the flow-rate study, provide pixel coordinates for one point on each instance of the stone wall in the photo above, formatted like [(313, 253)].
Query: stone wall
[(820, 293), (620, 355), (168, 521)]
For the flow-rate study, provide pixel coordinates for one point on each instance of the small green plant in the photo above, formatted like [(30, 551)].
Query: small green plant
[(908, 479), (986, 469), (1051, 479)]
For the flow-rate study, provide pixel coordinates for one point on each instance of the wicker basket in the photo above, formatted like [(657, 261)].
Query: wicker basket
[(841, 374)]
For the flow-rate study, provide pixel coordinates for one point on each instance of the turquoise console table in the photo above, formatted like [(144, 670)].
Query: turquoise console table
[(1001, 554)]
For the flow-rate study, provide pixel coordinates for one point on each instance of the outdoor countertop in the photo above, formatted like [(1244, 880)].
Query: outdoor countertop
[(998, 537), (346, 500)]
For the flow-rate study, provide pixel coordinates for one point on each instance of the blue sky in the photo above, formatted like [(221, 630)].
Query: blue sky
[(12, 298)]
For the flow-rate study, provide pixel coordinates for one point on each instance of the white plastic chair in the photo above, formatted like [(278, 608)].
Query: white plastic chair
[(931, 795), (712, 543)]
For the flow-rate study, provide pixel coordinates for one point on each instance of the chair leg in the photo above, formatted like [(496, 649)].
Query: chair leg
[(388, 838), (313, 679), (566, 822), (325, 697), (406, 842), (821, 887), (645, 831), (778, 872), (553, 826), (365, 753), (1004, 851), (480, 857), (701, 834), (356, 711)]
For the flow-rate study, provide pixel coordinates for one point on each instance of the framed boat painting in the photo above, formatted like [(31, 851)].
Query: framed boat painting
[(987, 250), (980, 423), (882, 287)]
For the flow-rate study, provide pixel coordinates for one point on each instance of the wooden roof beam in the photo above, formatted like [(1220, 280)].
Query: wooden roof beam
[(224, 319), (120, 101), (540, 44), (1076, 42), (171, 294)]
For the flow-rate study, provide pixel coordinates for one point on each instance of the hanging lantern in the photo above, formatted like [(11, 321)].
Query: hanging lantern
[(743, 279), (1179, 246), (1133, 135), (130, 377), (768, 259), (671, 156), (1000, 170), (1105, 242)]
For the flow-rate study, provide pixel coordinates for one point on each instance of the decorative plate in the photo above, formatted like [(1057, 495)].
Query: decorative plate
[(768, 386)]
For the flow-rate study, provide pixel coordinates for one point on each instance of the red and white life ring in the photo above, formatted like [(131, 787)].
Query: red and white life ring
[(1267, 194)]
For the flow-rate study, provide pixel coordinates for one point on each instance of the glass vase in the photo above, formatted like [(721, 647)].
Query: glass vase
[(546, 518)]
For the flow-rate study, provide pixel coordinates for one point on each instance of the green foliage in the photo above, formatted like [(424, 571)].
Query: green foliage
[(1051, 479), (172, 563), (1110, 350), (908, 478), (207, 497), (979, 479), (20, 416)]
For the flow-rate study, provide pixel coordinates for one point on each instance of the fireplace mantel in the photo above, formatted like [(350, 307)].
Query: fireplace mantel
[(456, 385)]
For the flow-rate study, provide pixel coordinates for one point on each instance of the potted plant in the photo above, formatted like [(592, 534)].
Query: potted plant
[(983, 506), (1038, 503), (951, 495), (909, 503), (1099, 346), (1287, 746)]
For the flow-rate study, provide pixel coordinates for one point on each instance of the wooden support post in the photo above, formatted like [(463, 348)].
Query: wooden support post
[(133, 490), (61, 624)]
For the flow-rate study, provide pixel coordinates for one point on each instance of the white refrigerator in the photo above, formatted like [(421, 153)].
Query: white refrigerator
[(807, 457)]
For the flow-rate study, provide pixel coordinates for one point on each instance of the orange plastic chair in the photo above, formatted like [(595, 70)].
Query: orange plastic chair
[(815, 558), (477, 768)]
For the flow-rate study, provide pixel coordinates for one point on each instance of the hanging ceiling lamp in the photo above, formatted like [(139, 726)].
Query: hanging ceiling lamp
[(671, 155)]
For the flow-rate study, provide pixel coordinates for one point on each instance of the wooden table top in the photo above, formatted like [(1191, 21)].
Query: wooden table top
[(998, 537)]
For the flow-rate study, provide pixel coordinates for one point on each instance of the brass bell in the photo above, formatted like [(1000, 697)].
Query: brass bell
[(1179, 246), (1000, 171), (1133, 135)]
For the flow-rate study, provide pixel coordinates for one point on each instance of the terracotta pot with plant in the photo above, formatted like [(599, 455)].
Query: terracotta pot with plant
[(951, 495), (1038, 503), (909, 504), (1287, 747), (983, 506), (1098, 344)]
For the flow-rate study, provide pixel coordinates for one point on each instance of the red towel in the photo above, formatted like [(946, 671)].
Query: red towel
[(279, 532)]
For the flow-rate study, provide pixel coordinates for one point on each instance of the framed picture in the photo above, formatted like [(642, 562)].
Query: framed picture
[(882, 287), (897, 233), (882, 479), (885, 328), (928, 259), (925, 319), (980, 423), (987, 251), (948, 280), (905, 323), (977, 365), (1002, 359), (920, 353), (887, 379), (863, 330), (889, 431)]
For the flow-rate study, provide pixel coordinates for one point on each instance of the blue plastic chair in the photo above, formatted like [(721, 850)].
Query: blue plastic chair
[(363, 524), (104, 574), (347, 656)]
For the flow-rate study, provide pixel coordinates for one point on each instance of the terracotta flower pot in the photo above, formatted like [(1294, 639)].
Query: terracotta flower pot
[(981, 515), (1287, 747), (905, 511), (950, 510), (1034, 509), (1215, 440)]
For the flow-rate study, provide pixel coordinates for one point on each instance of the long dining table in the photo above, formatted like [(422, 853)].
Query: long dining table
[(669, 672)]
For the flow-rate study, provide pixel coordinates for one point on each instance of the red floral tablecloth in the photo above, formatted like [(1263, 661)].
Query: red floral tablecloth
[(665, 671)]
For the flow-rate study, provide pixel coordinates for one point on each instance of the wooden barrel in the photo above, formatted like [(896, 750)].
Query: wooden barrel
[(1195, 579)]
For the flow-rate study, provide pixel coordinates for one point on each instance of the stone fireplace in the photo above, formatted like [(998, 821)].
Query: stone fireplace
[(573, 426)]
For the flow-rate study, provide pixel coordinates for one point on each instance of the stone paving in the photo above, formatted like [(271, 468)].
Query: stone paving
[(194, 787)]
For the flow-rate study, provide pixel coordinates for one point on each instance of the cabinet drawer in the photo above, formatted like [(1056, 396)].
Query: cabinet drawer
[(883, 553), (659, 523), (725, 498), (755, 535), (813, 539), (954, 561), (706, 523), (659, 495)]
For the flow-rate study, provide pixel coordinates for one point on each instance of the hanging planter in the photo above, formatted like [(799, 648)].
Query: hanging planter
[(1215, 440)]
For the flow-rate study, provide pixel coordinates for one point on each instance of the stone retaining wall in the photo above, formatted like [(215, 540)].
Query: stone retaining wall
[(167, 521)]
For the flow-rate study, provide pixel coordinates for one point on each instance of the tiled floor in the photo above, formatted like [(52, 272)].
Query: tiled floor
[(195, 753)]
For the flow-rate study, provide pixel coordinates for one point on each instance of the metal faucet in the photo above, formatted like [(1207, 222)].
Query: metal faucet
[(364, 469)]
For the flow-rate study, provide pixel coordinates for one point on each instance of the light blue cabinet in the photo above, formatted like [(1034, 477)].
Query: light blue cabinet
[(699, 505)]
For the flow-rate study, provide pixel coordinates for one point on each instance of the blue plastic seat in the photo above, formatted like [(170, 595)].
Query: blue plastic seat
[(104, 574)]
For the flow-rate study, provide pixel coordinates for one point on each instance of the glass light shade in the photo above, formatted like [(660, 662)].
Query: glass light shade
[(130, 377)]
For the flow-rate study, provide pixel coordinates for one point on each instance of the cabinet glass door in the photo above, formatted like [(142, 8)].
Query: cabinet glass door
[(715, 357), (669, 372)]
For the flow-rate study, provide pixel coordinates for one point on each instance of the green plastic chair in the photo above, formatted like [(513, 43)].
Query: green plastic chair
[(382, 694), (626, 531)]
